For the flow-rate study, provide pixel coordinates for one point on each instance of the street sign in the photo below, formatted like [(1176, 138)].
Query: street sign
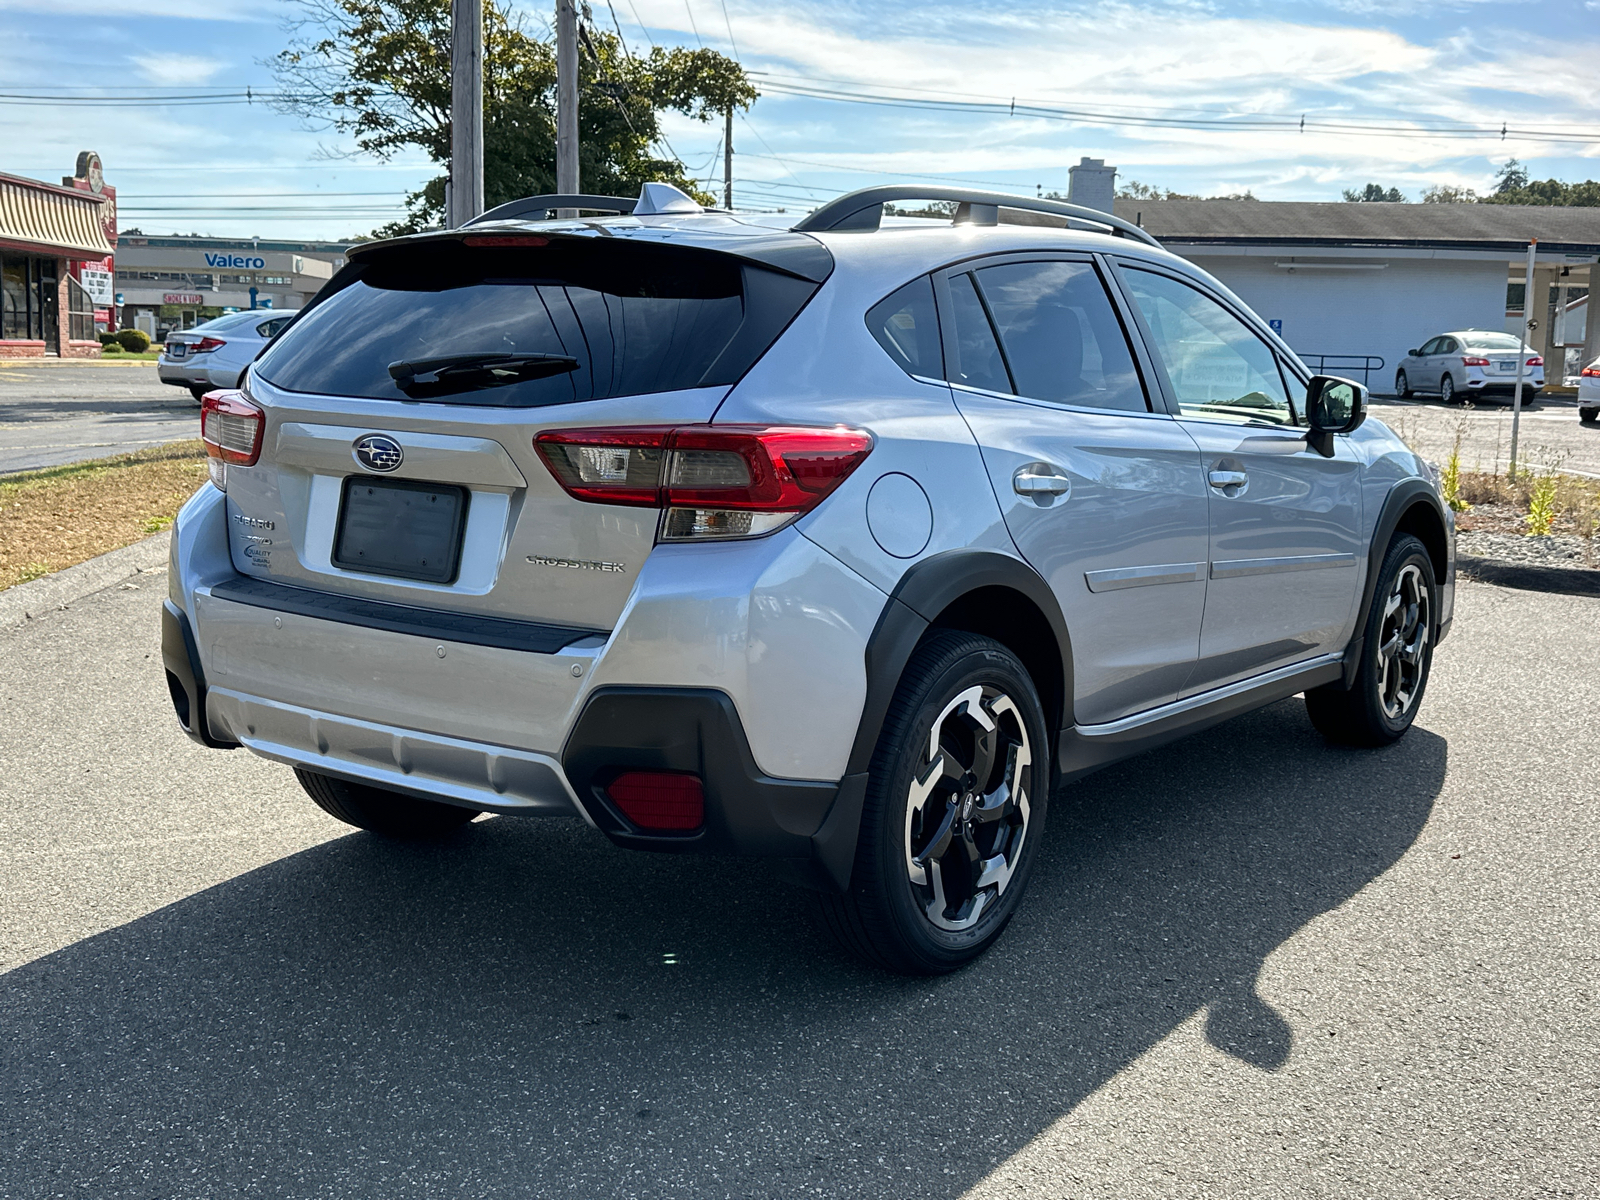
[(1277, 326)]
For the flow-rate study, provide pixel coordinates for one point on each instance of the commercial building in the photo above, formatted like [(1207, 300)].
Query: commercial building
[(166, 283), (56, 247), (1352, 287)]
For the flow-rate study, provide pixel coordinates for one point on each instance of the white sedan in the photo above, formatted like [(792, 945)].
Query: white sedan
[(1589, 393), (216, 354)]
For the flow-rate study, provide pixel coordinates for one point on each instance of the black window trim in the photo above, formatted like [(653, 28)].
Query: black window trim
[(973, 263), (1274, 344)]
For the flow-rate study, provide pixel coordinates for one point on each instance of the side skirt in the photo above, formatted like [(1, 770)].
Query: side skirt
[(1084, 749)]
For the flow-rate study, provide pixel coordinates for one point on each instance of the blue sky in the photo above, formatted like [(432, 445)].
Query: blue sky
[(246, 170)]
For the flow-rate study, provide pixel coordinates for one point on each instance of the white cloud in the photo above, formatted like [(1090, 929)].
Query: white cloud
[(177, 70)]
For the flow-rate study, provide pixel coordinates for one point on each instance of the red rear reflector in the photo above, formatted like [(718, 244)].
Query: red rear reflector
[(480, 239), (659, 799), (231, 428)]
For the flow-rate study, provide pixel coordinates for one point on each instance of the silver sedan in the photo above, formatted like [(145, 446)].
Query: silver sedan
[(1469, 363), (215, 354)]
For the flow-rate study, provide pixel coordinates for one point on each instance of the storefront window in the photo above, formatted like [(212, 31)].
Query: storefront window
[(15, 311)]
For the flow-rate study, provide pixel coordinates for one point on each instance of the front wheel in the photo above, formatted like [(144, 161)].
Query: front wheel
[(954, 809), (380, 810), (1396, 655), (1402, 385), (1447, 390)]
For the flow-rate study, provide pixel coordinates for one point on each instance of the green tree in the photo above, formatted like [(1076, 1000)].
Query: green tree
[(1449, 193), (1374, 194), (379, 71), (1551, 192), (1513, 176)]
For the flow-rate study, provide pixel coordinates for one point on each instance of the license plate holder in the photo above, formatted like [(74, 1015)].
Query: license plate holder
[(1503, 365), (400, 527)]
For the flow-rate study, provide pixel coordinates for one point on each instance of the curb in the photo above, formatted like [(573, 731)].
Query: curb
[(29, 601), (1568, 581)]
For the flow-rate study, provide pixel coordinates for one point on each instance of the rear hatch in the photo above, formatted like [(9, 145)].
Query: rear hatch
[(397, 459)]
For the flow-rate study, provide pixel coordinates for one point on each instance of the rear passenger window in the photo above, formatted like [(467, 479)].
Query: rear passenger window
[(1062, 339), (978, 363), (906, 324)]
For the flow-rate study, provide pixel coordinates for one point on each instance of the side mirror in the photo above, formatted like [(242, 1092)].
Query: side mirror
[(1333, 405), (1413, 353)]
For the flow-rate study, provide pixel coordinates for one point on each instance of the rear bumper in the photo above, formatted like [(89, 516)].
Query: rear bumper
[(1504, 387)]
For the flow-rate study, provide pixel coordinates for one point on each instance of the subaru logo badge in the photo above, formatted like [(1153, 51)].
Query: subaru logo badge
[(376, 452)]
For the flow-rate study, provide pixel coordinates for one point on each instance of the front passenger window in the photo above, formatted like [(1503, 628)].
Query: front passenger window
[(1219, 369)]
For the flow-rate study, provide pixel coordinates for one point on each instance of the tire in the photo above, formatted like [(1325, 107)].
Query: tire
[(198, 391), (963, 700), (1396, 655), (1402, 385), (1589, 415), (381, 811), (1447, 390)]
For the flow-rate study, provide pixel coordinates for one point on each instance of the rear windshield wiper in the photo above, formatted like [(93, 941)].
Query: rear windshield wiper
[(421, 378)]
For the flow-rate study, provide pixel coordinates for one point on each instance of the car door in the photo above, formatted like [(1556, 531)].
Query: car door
[(1285, 521), (1425, 368), (1101, 493), (1446, 355)]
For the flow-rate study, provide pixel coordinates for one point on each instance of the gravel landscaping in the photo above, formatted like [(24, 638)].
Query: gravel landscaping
[(1558, 550)]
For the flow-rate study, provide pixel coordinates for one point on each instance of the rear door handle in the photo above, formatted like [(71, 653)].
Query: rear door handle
[(1227, 479), (1040, 479)]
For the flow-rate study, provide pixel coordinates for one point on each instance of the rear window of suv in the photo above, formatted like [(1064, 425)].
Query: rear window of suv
[(535, 322)]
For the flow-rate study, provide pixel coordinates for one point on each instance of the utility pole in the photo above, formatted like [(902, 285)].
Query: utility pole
[(727, 160), (464, 196), (567, 102), (1529, 324)]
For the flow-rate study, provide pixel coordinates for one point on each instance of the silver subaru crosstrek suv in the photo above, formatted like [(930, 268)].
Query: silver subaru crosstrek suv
[(838, 543)]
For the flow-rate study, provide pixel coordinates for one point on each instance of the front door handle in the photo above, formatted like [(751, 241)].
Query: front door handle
[(1040, 479), (1227, 479)]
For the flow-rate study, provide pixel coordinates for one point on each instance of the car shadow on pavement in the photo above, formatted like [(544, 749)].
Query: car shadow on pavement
[(528, 1011)]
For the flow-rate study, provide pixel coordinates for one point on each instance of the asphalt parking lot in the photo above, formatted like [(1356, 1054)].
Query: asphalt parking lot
[(1549, 434), (1252, 965), (66, 411)]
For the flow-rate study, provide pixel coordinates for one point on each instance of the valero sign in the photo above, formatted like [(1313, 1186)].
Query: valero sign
[(236, 262)]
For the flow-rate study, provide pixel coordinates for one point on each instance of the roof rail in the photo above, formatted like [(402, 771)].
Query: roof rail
[(863, 209), (544, 204)]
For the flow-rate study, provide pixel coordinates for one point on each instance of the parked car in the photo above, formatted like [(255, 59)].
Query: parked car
[(1470, 363), (839, 543), (215, 354), (1589, 393)]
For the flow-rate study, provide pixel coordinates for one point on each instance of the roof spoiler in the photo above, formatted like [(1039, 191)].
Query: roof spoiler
[(653, 198), (863, 210)]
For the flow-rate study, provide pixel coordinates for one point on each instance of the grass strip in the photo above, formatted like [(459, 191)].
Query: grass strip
[(60, 516)]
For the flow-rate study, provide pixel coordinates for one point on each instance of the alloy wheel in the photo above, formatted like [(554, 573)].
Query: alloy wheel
[(1403, 641), (967, 811)]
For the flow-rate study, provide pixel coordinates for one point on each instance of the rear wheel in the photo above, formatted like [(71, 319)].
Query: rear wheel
[(1589, 415), (1402, 385), (380, 810), (1396, 655), (198, 391), (1447, 390), (954, 809)]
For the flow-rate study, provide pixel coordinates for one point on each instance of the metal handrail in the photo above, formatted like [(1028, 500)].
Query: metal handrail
[(531, 204), (863, 209), (1365, 363)]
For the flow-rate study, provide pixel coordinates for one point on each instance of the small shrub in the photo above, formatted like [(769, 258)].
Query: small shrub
[(1542, 506), (1450, 479), (134, 341), (106, 337)]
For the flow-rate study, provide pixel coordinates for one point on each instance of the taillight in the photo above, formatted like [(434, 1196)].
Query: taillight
[(1536, 361), (231, 428), (1591, 372), (665, 800), (206, 343), (1474, 362), (726, 481)]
